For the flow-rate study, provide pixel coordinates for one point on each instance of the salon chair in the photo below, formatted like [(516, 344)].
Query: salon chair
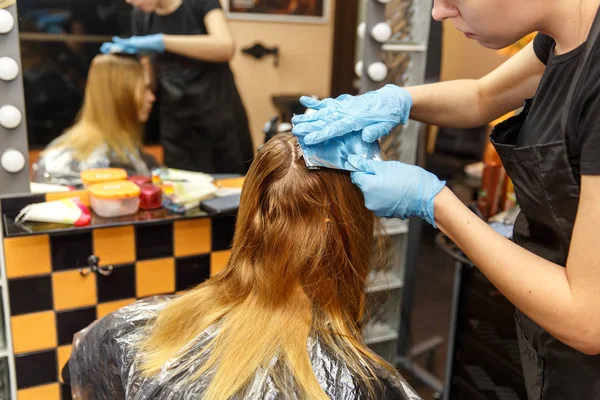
[(287, 106), (455, 149)]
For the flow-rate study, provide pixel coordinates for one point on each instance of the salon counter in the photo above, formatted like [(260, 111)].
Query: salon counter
[(12, 205), (55, 286)]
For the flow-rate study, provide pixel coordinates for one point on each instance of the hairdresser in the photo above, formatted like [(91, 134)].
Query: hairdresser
[(551, 272), (203, 123)]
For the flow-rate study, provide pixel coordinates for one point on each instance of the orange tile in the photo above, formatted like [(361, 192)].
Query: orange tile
[(62, 356), (218, 261), (230, 182), (192, 237), (155, 277), (83, 195), (72, 290), (115, 245), (46, 392), (103, 309), (27, 256), (33, 332)]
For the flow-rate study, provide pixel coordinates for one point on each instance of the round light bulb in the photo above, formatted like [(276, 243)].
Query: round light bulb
[(7, 22), (358, 68), (284, 127), (10, 116), (378, 71), (361, 30), (12, 161), (381, 32), (9, 69)]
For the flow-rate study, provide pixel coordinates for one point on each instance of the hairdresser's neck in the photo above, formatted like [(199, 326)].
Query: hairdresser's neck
[(166, 7), (568, 22)]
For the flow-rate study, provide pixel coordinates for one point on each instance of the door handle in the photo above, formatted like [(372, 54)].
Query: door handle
[(258, 51), (93, 266)]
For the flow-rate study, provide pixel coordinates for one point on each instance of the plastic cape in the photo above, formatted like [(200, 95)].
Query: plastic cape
[(59, 166), (103, 365)]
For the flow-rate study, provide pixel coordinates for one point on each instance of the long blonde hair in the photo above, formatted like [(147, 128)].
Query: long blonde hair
[(301, 255), (109, 116)]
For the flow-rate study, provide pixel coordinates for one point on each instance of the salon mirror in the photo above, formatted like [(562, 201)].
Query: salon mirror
[(58, 40)]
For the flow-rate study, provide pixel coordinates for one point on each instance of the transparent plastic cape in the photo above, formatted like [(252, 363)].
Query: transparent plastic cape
[(59, 166), (333, 153), (103, 365)]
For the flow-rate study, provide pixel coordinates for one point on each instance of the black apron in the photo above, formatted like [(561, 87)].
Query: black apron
[(546, 180), (203, 122)]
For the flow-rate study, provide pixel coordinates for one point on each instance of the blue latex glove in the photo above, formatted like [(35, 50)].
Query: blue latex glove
[(52, 21), (135, 44), (376, 114), (394, 189)]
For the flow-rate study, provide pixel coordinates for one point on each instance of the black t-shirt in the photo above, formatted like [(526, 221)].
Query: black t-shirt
[(188, 19), (177, 23), (544, 120)]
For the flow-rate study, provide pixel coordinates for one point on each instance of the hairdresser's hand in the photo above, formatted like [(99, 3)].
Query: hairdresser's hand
[(135, 44), (376, 114), (394, 189)]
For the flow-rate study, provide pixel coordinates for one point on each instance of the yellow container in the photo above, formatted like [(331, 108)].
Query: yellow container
[(100, 175), (115, 199)]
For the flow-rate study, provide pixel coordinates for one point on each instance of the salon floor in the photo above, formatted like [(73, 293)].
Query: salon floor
[(433, 294)]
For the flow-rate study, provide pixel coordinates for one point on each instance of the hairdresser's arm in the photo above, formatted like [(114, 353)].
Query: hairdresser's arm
[(217, 46), (472, 103), (461, 104), (564, 301)]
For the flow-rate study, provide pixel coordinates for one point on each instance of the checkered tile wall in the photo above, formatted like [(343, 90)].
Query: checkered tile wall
[(51, 300)]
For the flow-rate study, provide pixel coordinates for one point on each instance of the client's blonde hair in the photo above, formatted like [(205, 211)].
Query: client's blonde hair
[(301, 255), (109, 115)]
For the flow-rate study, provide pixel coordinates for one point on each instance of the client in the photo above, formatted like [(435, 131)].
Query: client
[(282, 321), (108, 131)]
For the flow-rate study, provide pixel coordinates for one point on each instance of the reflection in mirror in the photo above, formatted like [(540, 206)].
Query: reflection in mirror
[(59, 39)]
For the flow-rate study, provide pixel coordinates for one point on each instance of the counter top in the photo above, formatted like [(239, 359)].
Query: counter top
[(12, 205), (12, 229)]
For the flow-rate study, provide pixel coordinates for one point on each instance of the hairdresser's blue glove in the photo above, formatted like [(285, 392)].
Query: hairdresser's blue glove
[(51, 22), (394, 189), (376, 114), (135, 44)]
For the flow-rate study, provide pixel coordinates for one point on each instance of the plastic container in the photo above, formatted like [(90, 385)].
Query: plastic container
[(150, 197), (101, 175), (140, 179), (115, 199)]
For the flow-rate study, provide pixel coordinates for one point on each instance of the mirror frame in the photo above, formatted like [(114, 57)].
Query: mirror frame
[(13, 94)]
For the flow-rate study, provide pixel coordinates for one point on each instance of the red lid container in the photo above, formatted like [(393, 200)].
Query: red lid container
[(140, 179), (150, 197)]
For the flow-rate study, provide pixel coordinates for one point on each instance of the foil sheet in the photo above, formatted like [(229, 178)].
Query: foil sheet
[(103, 365), (334, 153)]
